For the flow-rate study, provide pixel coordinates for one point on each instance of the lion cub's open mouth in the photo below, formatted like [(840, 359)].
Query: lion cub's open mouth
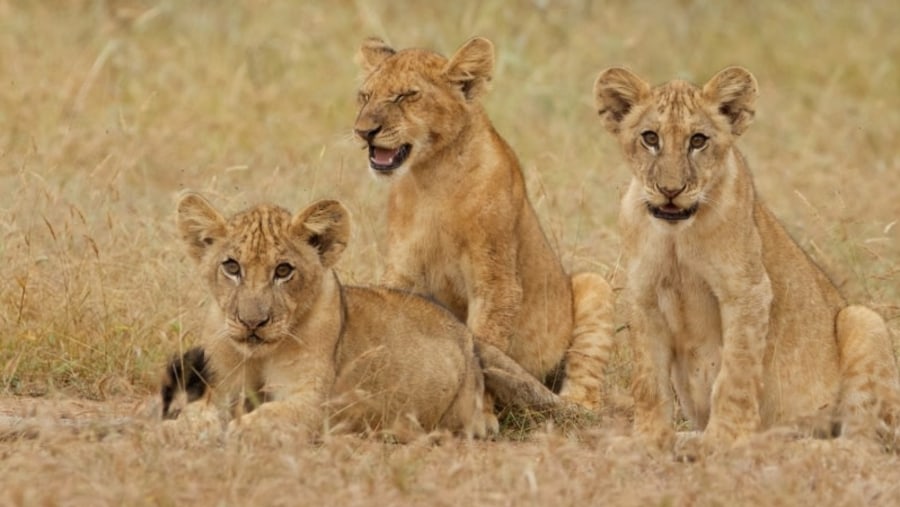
[(671, 212), (387, 159)]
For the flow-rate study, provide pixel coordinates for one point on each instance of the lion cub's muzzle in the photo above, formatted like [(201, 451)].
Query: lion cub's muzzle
[(670, 211), (254, 332)]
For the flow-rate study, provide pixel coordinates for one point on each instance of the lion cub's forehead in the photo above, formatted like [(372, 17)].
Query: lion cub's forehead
[(678, 103), (676, 97), (396, 70), (260, 231)]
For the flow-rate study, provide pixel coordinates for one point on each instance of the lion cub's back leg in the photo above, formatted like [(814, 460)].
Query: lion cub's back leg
[(592, 340), (869, 380)]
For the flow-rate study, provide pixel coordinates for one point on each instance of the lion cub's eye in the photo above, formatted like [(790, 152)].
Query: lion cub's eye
[(363, 97), (698, 141), (283, 271), (400, 97), (650, 138), (231, 267)]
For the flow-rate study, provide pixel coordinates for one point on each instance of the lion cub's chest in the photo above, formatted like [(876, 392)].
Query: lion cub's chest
[(425, 255), (690, 315)]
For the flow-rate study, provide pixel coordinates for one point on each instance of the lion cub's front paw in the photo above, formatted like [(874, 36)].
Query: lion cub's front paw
[(690, 446), (254, 432), (658, 439), (694, 445), (267, 426), (197, 422)]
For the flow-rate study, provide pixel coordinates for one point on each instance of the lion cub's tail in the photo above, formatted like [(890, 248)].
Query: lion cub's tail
[(592, 340), (186, 379)]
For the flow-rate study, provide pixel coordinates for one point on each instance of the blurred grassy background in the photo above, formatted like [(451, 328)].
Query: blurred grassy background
[(108, 109)]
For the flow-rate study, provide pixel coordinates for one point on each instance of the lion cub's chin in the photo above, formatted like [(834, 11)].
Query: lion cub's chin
[(253, 345), (386, 174)]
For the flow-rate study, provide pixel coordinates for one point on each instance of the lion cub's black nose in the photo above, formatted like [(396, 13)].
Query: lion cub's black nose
[(368, 135), (255, 323), (671, 193)]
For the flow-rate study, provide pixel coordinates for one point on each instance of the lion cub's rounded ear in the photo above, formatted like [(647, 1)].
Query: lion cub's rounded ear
[(472, 66), (326, 226), (372, 53), (733, 92), (616, 91), (199, 224)]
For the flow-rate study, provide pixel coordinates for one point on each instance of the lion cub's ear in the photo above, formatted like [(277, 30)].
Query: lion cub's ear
[(733, 92), (372, 52), (326, 226), (471, 66), (199, 224), (616, 91)]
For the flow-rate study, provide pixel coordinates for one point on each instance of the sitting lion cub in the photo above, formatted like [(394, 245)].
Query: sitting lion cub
[(460, 226), (724, 305), (284, 334)]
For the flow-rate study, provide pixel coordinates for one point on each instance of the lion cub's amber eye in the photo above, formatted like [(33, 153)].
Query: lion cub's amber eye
[(231, 267), (283, 270), (651, 139), (362, 97), (698, 141)]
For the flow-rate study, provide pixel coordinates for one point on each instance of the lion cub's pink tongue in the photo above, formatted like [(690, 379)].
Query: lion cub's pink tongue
[(384, 156)]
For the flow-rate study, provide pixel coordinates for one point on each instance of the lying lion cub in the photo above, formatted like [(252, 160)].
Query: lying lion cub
[(460, 226), (724, 305), (284, 331)]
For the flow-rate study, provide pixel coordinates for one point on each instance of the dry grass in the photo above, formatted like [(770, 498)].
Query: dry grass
[(109, 109), (111, 463)]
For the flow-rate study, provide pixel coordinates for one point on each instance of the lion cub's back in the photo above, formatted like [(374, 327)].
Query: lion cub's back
[(403, 354)]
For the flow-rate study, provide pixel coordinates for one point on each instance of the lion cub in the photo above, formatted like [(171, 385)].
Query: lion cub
[(284, 331), (724, 305), (460, 226)]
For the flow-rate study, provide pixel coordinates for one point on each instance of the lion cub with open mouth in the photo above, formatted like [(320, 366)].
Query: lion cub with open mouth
[(725, 306), (288, 341), (460, 226)]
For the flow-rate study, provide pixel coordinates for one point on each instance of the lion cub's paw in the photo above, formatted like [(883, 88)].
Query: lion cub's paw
[(491, 425), (197, 422), (590, 401), (267, 426), (690, 446), (660, 439), (693, 446)]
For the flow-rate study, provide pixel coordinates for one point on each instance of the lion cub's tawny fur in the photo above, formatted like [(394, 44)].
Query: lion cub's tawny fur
[(460, 225), (286, 335), (725, 306)]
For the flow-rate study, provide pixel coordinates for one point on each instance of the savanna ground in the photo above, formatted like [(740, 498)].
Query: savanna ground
[(109, 109)]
